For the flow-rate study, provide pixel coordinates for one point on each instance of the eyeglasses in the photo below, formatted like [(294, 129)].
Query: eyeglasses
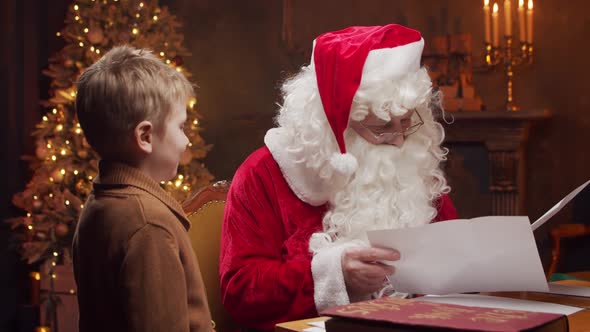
[(383, 133)]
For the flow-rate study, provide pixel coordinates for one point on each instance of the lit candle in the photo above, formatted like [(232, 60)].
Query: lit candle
[(507, 18), (529, 23), (521, 22), (496, 33), (486, 20)]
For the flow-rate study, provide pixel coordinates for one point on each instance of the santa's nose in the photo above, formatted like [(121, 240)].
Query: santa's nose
[(397, 140)]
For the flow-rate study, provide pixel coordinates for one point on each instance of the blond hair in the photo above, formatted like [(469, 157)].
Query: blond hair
[(123, 88)]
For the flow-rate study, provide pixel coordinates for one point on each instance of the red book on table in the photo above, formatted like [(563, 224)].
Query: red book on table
[(394, 314)]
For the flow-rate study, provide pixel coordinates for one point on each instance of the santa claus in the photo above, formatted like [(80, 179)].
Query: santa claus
[(356, 148)]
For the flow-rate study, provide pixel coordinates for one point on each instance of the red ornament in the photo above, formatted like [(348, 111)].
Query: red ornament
[(61, 229), (177, 60)]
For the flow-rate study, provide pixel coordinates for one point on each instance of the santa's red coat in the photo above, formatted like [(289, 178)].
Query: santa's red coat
[(265, 262)]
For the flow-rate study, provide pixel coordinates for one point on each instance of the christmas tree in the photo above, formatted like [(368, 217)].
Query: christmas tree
[(64, 164)]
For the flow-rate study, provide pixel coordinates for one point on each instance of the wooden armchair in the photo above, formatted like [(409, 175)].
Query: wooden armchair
[(205, 212), (574, 259), (566, 231)]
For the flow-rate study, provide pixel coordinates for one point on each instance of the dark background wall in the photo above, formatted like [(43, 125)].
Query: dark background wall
[(241, 53), (240, 56)]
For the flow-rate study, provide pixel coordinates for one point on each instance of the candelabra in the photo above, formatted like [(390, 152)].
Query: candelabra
[(496, 56)]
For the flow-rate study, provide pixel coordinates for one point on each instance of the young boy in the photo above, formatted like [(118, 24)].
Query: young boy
[(133, 261)]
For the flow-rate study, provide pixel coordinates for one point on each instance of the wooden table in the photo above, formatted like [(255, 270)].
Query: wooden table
[(578, 322)]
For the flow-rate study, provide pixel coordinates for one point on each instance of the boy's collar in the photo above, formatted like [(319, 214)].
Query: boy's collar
[(116, 173)]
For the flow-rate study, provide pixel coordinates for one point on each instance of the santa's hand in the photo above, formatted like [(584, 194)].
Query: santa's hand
[(363, 274)]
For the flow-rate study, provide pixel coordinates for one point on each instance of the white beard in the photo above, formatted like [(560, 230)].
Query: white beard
[(392, 188)]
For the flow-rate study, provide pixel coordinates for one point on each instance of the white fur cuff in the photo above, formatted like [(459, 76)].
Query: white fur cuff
[(328, 280)]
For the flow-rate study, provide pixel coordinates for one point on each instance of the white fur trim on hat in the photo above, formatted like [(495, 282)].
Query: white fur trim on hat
[(344, 163), (392, 63)]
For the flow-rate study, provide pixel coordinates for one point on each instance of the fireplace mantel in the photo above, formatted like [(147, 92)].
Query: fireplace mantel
[(504, 136)]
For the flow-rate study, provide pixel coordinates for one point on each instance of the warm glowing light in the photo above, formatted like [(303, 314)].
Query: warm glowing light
[(190, 144), (81, 44), (35, 197), (50, 195), (67, 202), (76, 17), (178, 69), (36, 275), (59, 127), (495, 9), (486, 2), (530, 5), (30, 227), (177, 183), (75, 7), (54, 111), (67, 142), (167, 61), (58, 33), (54, 158), (137, 15), (155, 17), (53, 264), (45, 118), (180, 176), (75, 172), (62, 171), (185, 188), (162, 53), (55, 254), (135, 31), (97, 51), (63, 152), (29, 214), (78, 131), (195, 122), (85, 30), (89, 177), (92, 48), (53, 276)]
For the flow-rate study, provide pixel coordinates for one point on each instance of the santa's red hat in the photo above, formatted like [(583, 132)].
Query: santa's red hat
[(344, 59)]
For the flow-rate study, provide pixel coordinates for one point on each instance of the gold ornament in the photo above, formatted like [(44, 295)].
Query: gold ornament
[(57, 175), (82, 154), (95, 35), (82, 187)]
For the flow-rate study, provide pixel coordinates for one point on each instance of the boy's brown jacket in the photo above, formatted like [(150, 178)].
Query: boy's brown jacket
[(133, 261)]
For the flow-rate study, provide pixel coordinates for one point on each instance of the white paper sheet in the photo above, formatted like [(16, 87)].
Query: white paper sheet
[(316, 327), (485, 301), (569, 290), (479, 255), (551, 212)]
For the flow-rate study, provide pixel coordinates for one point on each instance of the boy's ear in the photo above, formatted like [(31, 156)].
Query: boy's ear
[(143, 136)]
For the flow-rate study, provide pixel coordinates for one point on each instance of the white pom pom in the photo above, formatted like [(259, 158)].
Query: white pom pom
[(345, 164)]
